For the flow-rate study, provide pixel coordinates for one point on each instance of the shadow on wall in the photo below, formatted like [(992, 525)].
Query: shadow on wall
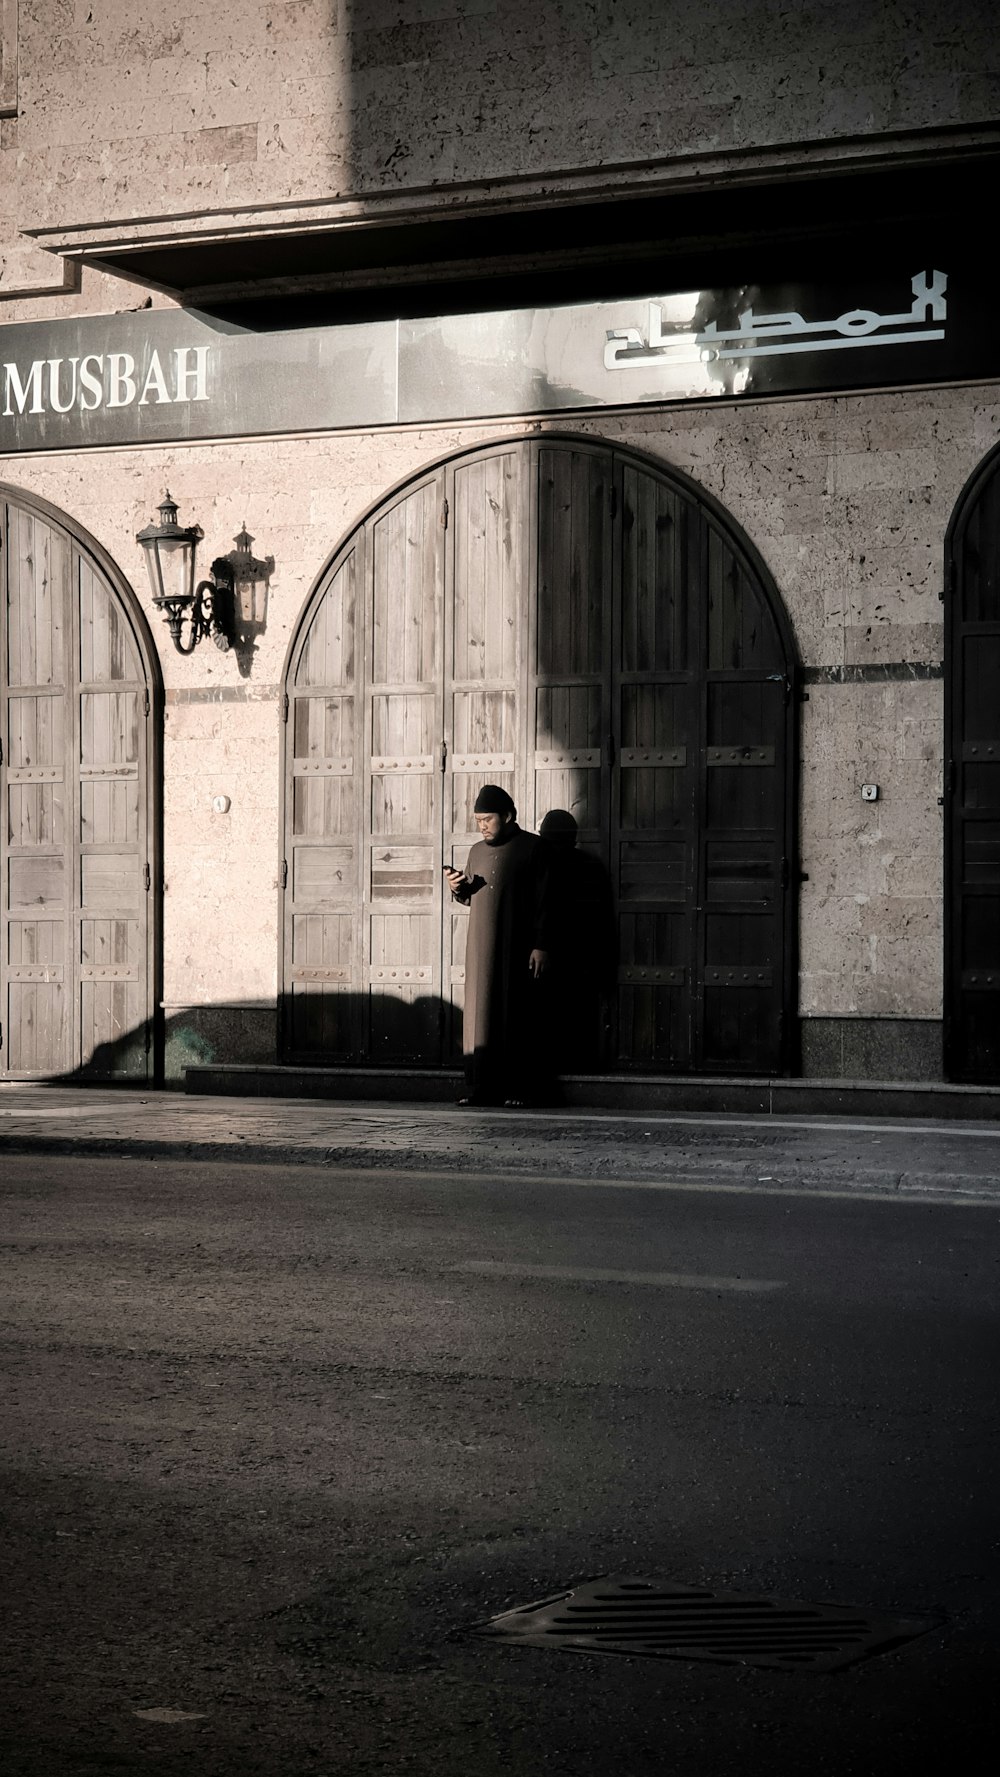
[(247, 1035), (423, 1033), (240, 600), (188, 1036), (195, 1036), (574, 1031)]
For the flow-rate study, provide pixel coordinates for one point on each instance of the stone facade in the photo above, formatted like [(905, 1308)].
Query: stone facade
[(112, 112), (790, 473)]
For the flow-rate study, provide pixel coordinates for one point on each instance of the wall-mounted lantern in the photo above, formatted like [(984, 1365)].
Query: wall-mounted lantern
[(170, 550)]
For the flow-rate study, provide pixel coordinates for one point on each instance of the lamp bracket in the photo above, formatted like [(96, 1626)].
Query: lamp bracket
[(204, 616), (200, 617)]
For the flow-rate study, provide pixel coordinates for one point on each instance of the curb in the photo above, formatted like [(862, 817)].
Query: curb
[(653, 1170), (628, 1095)]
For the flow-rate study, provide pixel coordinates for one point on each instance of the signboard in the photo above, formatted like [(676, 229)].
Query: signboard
[(174, 374)]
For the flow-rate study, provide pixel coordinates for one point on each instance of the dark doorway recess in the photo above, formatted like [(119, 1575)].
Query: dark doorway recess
[(972, 781), (80, 707), (590, 630)]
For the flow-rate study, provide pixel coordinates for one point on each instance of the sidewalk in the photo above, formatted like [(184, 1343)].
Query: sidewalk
[(917, 1158)]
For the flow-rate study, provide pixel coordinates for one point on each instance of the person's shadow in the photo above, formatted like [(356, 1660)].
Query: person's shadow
[(583, 958)]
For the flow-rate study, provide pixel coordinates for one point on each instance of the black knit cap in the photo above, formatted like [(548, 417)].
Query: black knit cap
[(493, 800)]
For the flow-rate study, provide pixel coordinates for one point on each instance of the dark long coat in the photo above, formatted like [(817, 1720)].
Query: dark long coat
[(505, 887)]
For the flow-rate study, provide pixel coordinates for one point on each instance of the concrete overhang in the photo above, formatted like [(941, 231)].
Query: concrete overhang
[(773, 214)]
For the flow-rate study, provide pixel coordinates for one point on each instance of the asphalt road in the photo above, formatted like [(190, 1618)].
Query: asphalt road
[(275, 1439)]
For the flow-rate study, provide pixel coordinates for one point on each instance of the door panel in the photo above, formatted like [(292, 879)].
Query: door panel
[(742, 634), (107, 652), (77, 953), (574, 560), (323, 988), (112, 893), (657, 549), (36, 995), (569, 689), (323, 798), (403, 727), (37, 793), (363, 802), (486, 597), (407, 597), (37, 563), (972, 783), (488, 516), (577, 627), (111, 955), (655, 666), (36, 770), (109, 768)]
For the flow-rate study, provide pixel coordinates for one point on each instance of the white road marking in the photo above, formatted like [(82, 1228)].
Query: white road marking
[(663, 1280)]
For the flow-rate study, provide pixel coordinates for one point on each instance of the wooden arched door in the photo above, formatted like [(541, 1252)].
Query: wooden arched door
[(584, 627), (79, 787), (972, 782)]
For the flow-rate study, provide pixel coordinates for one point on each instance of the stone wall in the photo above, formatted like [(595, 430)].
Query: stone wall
[(127, 108), (847, 500)]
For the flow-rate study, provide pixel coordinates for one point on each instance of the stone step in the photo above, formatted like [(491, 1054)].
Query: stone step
[(639, 1093)]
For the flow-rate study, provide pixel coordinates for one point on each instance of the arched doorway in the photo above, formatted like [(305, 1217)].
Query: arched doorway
[(972, 781), (79, 788), (590, 630)]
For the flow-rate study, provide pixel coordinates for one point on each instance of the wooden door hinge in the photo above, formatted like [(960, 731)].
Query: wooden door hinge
[(147, 877), (145, 702), (444, 514), (284, 873), (284, 708)]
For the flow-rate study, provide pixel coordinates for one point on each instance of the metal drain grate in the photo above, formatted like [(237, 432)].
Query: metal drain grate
[(669, 1622)]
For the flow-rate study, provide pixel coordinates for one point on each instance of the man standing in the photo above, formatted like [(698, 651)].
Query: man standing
[(505, 887)]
